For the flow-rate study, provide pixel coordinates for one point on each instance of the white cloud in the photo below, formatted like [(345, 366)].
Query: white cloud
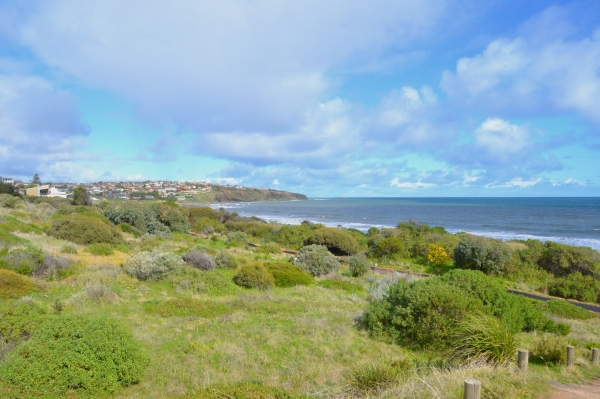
[(570, 181), (517, 182), (533, 73), (500, 139), (410, 185)]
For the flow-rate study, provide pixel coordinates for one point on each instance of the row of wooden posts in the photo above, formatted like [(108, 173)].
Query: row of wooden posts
[(473, 387)]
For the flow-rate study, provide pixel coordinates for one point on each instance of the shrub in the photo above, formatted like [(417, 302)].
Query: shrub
[(100, 249), (337, 241), (225, 260), (126, 228), (287, 275), (236, 238), (437, 255), (293, 236), (481, 253), (153, 265), (13, 285), (18, 320), (566, 310), (254, 275), (22, 261), (201, 282), (317, 260), (358, 265), (200, 260), (563, 260), (342, 285), (84, 230), (269, 248), (98, 292), (390, 246), (9, 201), (422, 313), (53, 267), (198, 212), (379, 286), (157, 219), (68, 248), (184, 307), (550, 349), (89, 354), (482, 337), (575, 286)]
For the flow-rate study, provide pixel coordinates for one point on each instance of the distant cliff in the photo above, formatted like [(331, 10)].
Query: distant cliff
[(235, 194)]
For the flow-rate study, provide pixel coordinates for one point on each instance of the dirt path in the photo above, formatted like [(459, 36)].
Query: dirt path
[(562, 391)]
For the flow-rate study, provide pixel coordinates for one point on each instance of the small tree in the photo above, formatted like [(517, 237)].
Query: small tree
[(36, 179), (437, 255), (317, 260), (81, 196)]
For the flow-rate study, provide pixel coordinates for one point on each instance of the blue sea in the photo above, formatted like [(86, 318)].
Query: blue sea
[(573, 221)]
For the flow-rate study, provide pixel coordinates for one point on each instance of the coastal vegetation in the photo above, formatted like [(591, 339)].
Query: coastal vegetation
[(150, 299)]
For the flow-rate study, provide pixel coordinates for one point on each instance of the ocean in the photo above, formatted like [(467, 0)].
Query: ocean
[(573, 221)]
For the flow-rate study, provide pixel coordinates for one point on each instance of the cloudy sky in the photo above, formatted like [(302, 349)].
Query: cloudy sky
[(327, 98)]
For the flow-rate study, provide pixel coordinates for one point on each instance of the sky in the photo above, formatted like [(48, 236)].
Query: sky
[(392, 98)]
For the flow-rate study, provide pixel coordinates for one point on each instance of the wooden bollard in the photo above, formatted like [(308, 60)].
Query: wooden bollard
[(595, 355), (472, 389), (523, 360), (570, 355)]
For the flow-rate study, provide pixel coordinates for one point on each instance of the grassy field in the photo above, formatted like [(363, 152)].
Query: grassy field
[(209, 333)]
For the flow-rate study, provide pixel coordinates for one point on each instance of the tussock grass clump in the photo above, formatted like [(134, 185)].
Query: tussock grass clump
[(482, 337), (202, 282), (13, 285), (242, 391), (68, 248), (99, 292), (375, 377), (254, 275), (200, 260), (89, 354), (269, 248), (287, 275), (153, 265), (565, 309), (187, 307), (549, 349)]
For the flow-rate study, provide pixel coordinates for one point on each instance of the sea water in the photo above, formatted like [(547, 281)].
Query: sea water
[(573, 221)]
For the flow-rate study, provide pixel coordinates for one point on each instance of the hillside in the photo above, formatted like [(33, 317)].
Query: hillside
[(243, 194)]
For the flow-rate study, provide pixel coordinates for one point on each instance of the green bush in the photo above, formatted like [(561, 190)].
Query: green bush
[(347, 286), (269, 248), (225, 260), (22, 261), (100, 249), (422, 313), (201, 282), (481, 253), (375, 377), (84, 230), (126, 228), (153, 265), (157, 219), (200, 260), (575, 286), (68, 248), (18, 320), (317, 260), (293, 236), (236, 238), (205, 223), (358, 265), (241, 391), (563, 260), (337, 241), (13, 285), (287, 275), (85, 353), (549, 349), (565, 309), (198, 212), (483, 337), (254, 275), (9, 201), (185, 307), (390, 247)]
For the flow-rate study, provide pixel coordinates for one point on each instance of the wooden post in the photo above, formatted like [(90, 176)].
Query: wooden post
[(523, 360), (595, 355), (570, 355), (472, 389)]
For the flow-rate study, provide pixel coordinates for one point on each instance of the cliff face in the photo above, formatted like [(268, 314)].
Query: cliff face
[(231, 194)]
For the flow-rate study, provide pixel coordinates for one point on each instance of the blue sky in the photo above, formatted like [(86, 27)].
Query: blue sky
[(327, 98)]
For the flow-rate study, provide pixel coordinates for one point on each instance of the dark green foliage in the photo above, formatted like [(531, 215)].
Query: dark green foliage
[(575, 286), (8, 240), (292, 236), (84, 230), (253, 228), (317, 260), (481, 253), (241, 391), (390, 247), (361, 238), (100, 249), (148, 218), (9, 189), (269, 248), (36, 179), (254, 275), (126, 228), (18, 320), (199, 260), (517, 312), (422, 313), (89, 354), (196, 213), (358, 265), (565, 309), (205, 223), (236, 238), (287, 275), (337, 241), (562, 260), (347, 286), (13, 285), (225, 260), (33, 262), (81, 196), (185, 307)]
